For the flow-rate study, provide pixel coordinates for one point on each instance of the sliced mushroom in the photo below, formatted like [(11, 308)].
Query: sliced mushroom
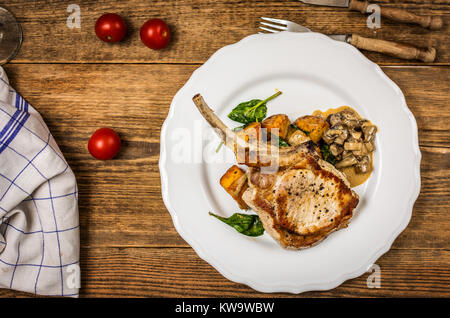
[(342, 137), (331, 134), (347, 162), (361, 152), (336, 149), (351, 140), (334, 119), (353, 145), (349, 114), (356, 134), (365, 159), (351, 123), (346, 153), (370, 146), (363, 165), (369, 131)]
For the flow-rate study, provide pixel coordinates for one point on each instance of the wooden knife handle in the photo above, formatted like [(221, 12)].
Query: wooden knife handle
[(403, 51), (429, 22)]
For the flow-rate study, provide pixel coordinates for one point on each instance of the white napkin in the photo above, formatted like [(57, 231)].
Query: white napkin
[(39, 227)]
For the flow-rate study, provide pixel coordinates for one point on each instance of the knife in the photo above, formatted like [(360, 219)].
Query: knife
[(400, 50), (399, 15)]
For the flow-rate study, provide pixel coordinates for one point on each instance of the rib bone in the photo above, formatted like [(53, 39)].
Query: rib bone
[(267, 154)]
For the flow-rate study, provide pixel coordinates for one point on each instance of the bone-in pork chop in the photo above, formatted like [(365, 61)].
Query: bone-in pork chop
[(300, 203)]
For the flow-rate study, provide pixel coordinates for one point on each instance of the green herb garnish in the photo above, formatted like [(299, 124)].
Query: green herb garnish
[(326, 153), (238, 128), (254, 110), (282, 143), (296, 127), (247, 224), (219, 146)]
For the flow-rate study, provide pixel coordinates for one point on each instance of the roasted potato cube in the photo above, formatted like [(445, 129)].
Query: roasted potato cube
[(315, 125), (251, 133), (277, 125), (234, 181)]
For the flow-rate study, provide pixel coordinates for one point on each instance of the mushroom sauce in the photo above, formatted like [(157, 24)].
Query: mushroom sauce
[(352, 141)]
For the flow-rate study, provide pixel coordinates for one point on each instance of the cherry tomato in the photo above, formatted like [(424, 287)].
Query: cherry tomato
[(155, 34), (104, 144), (110, 27)]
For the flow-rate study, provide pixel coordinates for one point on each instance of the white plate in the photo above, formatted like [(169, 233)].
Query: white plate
[(313, 72)]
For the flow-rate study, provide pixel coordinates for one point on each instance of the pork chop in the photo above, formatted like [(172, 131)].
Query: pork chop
[(300, 203)]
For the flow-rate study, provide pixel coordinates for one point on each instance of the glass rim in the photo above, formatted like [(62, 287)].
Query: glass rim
[(14, 35)]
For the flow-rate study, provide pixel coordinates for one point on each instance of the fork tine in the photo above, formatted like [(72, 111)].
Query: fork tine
[(269, 30), (284, 22), (274, 26)]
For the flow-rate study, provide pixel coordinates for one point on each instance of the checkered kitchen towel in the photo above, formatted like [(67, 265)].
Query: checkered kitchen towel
[(39, 229)]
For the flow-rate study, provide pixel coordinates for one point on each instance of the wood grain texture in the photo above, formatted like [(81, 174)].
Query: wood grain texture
[(178, 272), (196, 24), (400, 15), (75, 100), (129, 246)]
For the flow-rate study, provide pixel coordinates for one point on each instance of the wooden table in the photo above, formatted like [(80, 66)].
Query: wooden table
[(129, 246)]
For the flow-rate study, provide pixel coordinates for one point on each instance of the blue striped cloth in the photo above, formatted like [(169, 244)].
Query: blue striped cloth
[(39, 226)]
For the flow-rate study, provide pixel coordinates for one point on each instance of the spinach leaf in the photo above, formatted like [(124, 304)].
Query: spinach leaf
[(296, 127), (251, 111), (247, 224), (238, 128), (326, 153), (282, 143), (248, 112)]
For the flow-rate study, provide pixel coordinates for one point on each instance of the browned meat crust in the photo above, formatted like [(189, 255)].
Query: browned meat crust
[(265, 199), (299, 204)]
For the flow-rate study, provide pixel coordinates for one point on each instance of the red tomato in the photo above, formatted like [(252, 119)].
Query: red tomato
[(104, 144), (155, 34), (110, 27)]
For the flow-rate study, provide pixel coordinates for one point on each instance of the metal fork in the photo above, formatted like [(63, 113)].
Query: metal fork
[(404, 51)]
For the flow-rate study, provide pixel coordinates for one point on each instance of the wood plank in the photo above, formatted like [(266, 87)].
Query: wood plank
[(195, 25), (129, 245), (131, 201), (179, 272), (120, 200), (426, 92), (76, 99)]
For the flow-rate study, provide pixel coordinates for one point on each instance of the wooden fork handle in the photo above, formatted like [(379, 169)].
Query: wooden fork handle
[(403, 51), (428, 22)]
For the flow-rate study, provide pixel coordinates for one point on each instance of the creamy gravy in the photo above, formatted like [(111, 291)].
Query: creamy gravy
[(354, 178)]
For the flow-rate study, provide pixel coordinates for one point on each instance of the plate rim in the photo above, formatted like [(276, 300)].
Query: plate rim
[(295, 288)]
